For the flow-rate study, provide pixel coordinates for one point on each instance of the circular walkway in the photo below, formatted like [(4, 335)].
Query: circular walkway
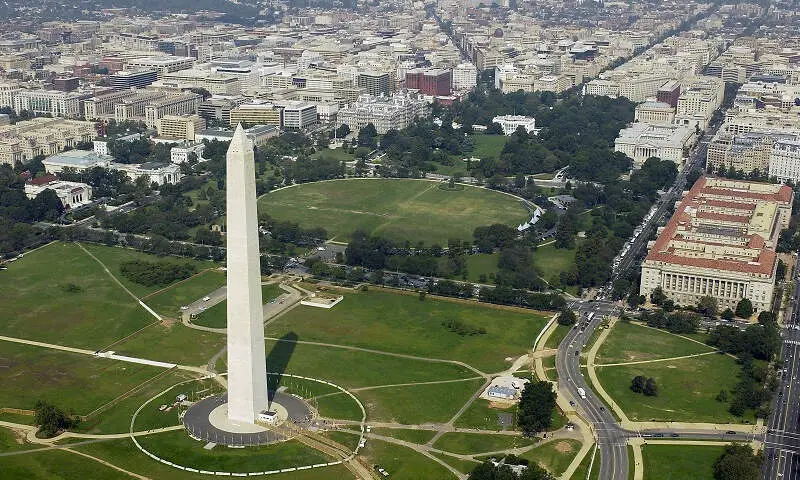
[(198, 422)]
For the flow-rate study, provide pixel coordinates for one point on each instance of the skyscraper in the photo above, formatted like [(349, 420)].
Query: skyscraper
[(247, 370)]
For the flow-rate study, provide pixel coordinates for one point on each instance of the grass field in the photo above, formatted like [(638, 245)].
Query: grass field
[(474, 443), (482, 263), (550, 261), (124, 453), (57, 465), (463, 466), (113, 257), (415, 210), (217, 317), (74, 382), (38, 305), (554, 340), (628, 342), (179, 448), (417, 404), (404, 324), (403, 463), (169, 301), (480, 415), (11, 442), (174, 343), (686, 389), (407, 435), (117, 418), (339, 154), (352, 368), (679, 462), (554, 456)]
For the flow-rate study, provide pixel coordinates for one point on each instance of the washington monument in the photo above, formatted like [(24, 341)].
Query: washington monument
[(247, 369)]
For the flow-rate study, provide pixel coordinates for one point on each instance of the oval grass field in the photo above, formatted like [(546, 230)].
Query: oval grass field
[(398, 209)]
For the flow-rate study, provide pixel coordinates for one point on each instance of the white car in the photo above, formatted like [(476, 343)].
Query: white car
[(206, 299)]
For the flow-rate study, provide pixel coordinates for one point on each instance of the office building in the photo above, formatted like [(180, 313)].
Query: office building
[(180, 127), (374, 83), (641, 141), (127, 79), (256, 114), (430, 82), (720, 243)]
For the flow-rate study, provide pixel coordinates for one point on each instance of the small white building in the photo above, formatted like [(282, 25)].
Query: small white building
[(180, 154), (641, 141), (510, 123), (155, 172), (267, 416), (71, 194)]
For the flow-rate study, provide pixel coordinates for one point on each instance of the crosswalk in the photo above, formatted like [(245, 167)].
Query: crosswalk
[(792, 342)]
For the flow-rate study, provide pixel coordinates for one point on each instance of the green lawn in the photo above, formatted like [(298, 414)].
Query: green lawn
[(486, 146), (11, 442), (629, 342), (582, 472), (415, 210), (179, 448), (686, 389), (74, 382), (169, 301), (403, 463), (480, 415), (554, 340), (550, 261), (117, 418), (407, 435), (679, 462), (474, 443), (482, 263), (554, 456), (57, 465), (113, 257), (217, 316), (404, 324), (417, 404), (353, 368), (174, 343), (36, 303), (339, 154), (463, 466), (124, 453)]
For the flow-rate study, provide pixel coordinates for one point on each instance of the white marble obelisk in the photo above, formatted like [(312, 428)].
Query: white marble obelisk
[(247, 370)]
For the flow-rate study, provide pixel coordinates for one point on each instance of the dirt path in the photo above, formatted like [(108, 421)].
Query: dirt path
[(655, 360)]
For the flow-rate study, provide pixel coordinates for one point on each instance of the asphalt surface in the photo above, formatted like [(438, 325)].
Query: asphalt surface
[(611, 438), (782, 440)]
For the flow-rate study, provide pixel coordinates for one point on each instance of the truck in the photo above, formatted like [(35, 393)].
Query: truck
[(582, 392)]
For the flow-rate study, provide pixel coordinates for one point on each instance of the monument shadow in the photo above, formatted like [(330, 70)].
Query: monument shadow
[(277, 362)]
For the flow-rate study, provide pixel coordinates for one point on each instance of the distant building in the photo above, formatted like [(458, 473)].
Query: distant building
[(180, 154), (465, 77), (375, 83), (128, 79), (505, 393), (721, 243), (80, 160), (784, 160), (430, 82), (66, 84), (669, 93), (385, 113), (258, 134), (42, 136), (641, 141), (656, 113), (181, 127), (162, 64), (256, 114), (297, 115), (510, 123), (71, 194), (100, 145)]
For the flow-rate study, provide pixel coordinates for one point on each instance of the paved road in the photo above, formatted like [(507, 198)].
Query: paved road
[(611, 438), (782, 441)]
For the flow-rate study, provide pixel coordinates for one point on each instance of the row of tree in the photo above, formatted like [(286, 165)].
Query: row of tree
[(156, 273)]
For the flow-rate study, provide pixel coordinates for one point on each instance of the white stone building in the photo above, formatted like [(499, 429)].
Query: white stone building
[(510, 123), (641, 141)]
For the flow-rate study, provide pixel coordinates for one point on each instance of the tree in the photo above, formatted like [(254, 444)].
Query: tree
[(722, 396), (744, 309), (650, 388), (536, 407), (707, 306), (657, 297), (567, 317), (727, 314), (739, 462), (50, 419), (766, 318), (637, 384)]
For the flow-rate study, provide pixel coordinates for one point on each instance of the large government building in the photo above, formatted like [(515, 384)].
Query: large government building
[(720, 242)]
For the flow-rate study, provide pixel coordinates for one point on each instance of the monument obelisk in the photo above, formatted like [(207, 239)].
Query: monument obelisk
[(247, 369)]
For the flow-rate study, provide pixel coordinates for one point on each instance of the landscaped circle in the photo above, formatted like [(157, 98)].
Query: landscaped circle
[(179, 450), (398, 209)]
